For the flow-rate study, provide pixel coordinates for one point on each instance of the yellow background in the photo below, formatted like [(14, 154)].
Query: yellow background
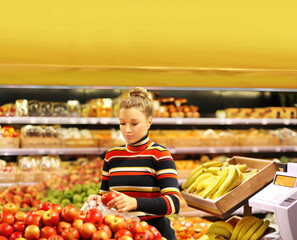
[(191, 43)]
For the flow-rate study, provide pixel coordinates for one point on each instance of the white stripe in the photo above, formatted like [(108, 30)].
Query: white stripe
[(133, 169), (105, 173), (136, 188), (171, 204), (167, 170)]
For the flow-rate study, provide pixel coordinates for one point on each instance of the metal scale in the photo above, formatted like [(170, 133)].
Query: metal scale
[(280, 197)]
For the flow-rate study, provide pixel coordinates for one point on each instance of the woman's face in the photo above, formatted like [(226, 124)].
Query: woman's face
[(133, 124)]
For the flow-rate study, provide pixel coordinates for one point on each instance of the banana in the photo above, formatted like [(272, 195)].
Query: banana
[(211, 236), (192, 187), (226, 164), (212, 164), (213, 170), (220, 231), (232, 174), (253, 229), (248, 224), (238, 227), (222, 224), (234, 183), (204, 183), (242, 167), (261, 230), (250, 174), (192, 177), (215, 184)]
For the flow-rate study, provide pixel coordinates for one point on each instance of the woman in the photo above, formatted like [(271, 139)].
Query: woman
[(142, 173)]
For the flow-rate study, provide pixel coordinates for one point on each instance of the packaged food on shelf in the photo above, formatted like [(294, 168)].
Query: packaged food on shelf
[(9, 137), (74, 108), (34, 108), (34, 136), (230, 200), (108, 138), (218, 138), (77, 138), (7, 110), (60, 109), (46, 109), (101, 107), (21, 106)]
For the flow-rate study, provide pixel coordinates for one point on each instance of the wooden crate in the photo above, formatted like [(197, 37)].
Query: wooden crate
[(237, 197), (9, 142), (40, 142), (79, 143)]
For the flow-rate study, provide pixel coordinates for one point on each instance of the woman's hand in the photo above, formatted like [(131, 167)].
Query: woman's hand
[(96, 198), (123, 203)]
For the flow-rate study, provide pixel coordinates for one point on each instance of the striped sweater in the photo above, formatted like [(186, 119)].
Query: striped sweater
[(146, 172)]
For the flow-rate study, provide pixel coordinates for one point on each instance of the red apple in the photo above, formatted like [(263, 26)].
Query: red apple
[(154, 231), (32, 232), (144, 225), (122, 232), (135, 227), (40, 212), (34, 219), (77, 223), (70, 234), (105, 228), (16, 235), (19, 226), (5, 229), (47, 231), (141, 236), (118, 223), (11, 208), (100, 235), (108, 218), (51, 218), (56, 207), (94, 216), (86, 230), (55, 237), (5, 238), (69, 213), (20, 216), (125, 238), (150, 234), (62, 226), (6, 217), (106, 197), (44, 206), (82, 215)]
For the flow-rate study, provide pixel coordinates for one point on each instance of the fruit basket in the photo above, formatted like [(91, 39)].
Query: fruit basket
[(228, 203)]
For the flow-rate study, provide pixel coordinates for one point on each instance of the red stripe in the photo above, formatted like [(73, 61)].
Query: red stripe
[(142, 194), (131, 173), (105, 178), (145, 218), (168, 205), (167, 175)]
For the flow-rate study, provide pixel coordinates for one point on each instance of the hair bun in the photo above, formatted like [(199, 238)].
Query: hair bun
[(139, 92)]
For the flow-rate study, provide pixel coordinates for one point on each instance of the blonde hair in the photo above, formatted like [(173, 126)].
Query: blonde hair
[(139, 98)]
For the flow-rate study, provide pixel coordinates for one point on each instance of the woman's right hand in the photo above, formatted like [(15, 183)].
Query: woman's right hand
[(96, 198)]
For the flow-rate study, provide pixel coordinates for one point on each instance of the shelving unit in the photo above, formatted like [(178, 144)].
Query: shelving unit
[(156, 121)]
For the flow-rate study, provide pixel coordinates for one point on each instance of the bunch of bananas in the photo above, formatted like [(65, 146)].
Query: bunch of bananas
[(247, 228), (214, 179)]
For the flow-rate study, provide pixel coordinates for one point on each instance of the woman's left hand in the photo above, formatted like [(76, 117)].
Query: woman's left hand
[(122, 202)]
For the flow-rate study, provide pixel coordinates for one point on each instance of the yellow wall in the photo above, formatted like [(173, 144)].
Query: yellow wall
[(192, 42)]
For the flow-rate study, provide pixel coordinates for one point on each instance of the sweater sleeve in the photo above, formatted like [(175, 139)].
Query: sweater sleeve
[(105, 179), (169, 201)]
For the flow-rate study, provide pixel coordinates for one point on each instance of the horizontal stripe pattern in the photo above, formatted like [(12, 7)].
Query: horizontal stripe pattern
[(145, 172)]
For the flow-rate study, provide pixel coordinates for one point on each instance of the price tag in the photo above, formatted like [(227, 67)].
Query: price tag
[(212, 150), (172, 150), (73, 120), (41, 151), (286, 121), (179, 121), (32, 120), (227, 150), (228, 121), (255, 149), (264, 121), (278, 149)]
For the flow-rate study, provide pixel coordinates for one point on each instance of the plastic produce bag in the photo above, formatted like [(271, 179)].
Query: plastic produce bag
[(105, 210)]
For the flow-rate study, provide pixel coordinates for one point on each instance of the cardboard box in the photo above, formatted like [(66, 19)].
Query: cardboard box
[(6, 177), (237, 197)]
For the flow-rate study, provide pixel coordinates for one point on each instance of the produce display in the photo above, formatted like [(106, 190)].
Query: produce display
[(214, 179), (247, 228), (54, 222)]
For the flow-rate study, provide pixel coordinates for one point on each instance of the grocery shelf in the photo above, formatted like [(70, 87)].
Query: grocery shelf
[(232, 149), (42, 151), (160, 121), (173, 150)]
